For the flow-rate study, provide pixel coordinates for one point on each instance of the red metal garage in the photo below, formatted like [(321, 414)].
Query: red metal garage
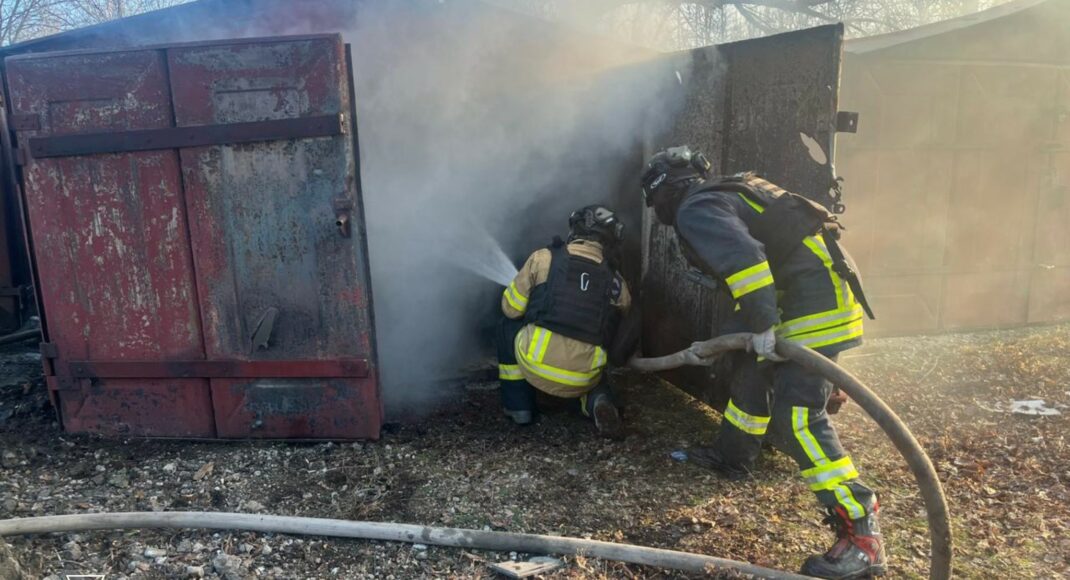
[(198, 231)]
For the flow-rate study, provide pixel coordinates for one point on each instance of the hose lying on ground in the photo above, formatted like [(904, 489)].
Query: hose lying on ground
[(459, 538), (920, 465)]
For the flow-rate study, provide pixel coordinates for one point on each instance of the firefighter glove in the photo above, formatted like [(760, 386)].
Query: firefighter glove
[(764, 345), (692, 357)]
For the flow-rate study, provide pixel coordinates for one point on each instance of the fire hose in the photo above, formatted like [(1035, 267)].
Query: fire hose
[(932, 493), (924, 473), (391, 532)]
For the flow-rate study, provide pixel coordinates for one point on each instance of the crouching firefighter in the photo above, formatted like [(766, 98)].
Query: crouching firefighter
[(777, 254), (561, 311)]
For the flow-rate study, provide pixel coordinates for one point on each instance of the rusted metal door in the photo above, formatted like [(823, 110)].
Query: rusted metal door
[(199, 239), (745, 105)]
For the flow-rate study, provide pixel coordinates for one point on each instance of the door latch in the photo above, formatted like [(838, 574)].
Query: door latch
[(342, 210)]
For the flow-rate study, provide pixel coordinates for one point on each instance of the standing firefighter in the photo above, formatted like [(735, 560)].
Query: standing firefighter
[(561, 310), (777, 254)]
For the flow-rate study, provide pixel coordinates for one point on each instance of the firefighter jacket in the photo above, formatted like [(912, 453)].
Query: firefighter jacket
[(551, 362), (801, 294)]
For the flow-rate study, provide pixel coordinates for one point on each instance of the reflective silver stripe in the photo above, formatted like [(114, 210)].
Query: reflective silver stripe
[(599, 359), (510, 372), (539, 343), (849, 503), (561, 376), (742, 283), (801, 425), (827, 476), (848, 332), (799, 326)]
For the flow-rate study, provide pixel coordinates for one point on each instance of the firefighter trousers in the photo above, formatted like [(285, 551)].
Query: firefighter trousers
[(786, 403), (517, 393)]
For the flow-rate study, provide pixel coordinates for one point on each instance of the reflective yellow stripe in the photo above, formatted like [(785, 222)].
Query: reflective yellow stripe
[(531, 361), (849, 503), (544, 343), (819, 321), (828, 476), (817, 246), (751, 203), (561, 376), (745, 422), (829, 336), (535, 336), (800, 420), (515, 299), (746, 281), (510, 373), (540, 340), (599, 359)]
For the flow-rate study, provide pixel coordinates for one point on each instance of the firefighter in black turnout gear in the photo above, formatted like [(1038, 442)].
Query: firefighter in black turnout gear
[(777, 254), (561, 312)]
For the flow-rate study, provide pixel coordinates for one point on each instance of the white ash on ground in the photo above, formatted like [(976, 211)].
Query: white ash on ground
[(1006, 476)]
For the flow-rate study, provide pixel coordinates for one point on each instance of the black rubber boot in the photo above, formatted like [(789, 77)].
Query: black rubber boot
[(606, 416), (711, 459), (857, 553), (520, 417)]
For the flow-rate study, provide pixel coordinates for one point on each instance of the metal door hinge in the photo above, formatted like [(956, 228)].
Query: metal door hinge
[(22, 156), (49, 350)]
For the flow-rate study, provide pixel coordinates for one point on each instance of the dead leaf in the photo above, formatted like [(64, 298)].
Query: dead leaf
[(204, 471)]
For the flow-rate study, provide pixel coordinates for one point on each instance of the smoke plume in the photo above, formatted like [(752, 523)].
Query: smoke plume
[(476, 126)]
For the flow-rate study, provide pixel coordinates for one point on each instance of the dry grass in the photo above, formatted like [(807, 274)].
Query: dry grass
[(1006, 477)]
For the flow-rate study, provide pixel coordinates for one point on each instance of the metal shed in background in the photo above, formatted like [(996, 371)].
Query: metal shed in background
[(957, 180)]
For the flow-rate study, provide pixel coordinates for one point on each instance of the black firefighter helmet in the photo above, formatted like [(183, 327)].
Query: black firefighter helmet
[(596, 222), (671, 168)]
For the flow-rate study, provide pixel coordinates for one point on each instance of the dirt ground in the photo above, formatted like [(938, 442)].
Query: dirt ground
[(1006, 476)]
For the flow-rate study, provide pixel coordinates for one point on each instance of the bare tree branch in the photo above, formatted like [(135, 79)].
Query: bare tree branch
[(25, 19)]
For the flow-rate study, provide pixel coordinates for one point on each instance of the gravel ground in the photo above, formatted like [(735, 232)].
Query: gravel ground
[(1006, 476)]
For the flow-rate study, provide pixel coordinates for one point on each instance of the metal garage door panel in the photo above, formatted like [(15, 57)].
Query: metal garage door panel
[(907, 303), (780, 86), (272, 261), (985, 299), (901, 224), (999, 105), (994, 210), (1049, 296), (1062, 106), (110, 236), (915, 105)]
